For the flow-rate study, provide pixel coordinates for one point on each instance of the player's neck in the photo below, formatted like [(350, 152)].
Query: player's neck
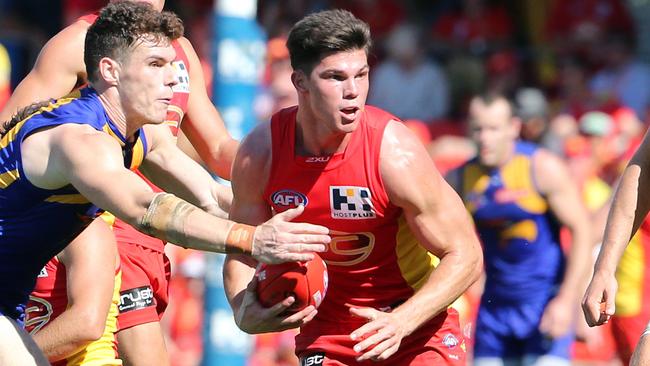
[(313, 139), (114, 111)]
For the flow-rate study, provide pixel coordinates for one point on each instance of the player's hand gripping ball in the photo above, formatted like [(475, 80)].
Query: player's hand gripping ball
[(305, 281)]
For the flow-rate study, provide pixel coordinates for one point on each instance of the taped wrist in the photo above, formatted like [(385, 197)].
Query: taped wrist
[(165, 218), (240, 239)]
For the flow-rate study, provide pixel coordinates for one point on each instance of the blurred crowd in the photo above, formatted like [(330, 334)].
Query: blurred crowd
[(576, 71)]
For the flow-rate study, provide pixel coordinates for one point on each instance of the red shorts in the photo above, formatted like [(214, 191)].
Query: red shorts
[(437, 342), (627, 332), (145, 285)]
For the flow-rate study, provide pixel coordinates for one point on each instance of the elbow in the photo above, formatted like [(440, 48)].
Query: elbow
[(475, 264), (93, 326)]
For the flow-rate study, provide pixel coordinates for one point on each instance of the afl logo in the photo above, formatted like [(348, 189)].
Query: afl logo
[(288, 198)]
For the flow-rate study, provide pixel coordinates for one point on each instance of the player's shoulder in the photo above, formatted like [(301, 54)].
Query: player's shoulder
[(545, 160), (256, 147)]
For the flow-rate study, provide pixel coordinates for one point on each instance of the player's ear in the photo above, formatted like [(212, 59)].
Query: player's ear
[(299, 80), (109, 71)]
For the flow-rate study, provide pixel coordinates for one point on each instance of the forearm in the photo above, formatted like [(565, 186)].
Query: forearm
[(237, 273), (453, 275), (629, 208), (174, 220), (67, 334), (219, 159), (577, 267)]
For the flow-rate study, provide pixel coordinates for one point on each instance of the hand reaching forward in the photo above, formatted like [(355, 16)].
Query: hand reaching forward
[(279, 240)]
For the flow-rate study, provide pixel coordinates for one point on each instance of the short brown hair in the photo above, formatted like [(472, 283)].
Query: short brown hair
[(324, 33), (120, 25)]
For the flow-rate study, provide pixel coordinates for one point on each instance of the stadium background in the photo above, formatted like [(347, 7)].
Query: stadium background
[(577, 71)]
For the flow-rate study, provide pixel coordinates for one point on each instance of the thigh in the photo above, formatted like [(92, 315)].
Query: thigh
[(143, 345), (17, 347), (492, 339), (538, 346)]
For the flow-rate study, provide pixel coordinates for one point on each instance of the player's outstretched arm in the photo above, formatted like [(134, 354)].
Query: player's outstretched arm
[(173, 171), (90, 281), (92, 162), (438, 218), (55, 72), (628, 210), (555, 183), (250, 174), (203, 124)]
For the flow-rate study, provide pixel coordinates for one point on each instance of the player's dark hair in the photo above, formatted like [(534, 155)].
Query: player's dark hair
[(488, 98), (22, 114), (120, 26), (323, 33)]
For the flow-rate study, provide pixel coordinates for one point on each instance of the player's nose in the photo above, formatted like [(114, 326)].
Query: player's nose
[(170, 76), (351, 89)]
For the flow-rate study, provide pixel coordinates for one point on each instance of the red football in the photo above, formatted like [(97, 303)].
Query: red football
[(305, 281)]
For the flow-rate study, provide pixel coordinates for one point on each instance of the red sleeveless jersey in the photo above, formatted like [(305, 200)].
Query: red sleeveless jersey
[(175, 113), (374, 259)]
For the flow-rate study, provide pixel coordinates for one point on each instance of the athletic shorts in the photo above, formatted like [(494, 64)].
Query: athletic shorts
[(145, 285), (512, 332), (627, 332), (438, 342)]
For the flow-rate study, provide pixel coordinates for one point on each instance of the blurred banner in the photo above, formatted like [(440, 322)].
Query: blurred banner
[(238, 51)]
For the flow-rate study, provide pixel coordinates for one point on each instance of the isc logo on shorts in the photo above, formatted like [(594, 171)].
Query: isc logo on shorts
[(183, 77), (351, 203), (314, 359), (135, 299)]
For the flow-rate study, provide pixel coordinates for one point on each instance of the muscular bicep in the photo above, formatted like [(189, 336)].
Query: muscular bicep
[(433, 210), (55, 73), (249, 176), (92, 162)]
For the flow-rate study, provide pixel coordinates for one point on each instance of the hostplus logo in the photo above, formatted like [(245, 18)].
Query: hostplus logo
[(352, 203)]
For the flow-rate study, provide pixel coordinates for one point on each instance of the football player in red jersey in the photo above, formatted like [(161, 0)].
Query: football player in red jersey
[(404, 247), (60, 68)]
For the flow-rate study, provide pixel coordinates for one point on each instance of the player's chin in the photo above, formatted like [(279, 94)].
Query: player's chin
[(346, 125)]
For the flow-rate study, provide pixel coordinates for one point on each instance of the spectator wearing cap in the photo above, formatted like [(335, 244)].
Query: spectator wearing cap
[(532, 109)]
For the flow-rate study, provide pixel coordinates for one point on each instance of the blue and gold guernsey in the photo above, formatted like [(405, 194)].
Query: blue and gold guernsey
[(520, 236), (36, 223), (524, 262)]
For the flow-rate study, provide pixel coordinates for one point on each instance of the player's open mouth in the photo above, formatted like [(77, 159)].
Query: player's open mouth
[(349, 113), (165, 101)]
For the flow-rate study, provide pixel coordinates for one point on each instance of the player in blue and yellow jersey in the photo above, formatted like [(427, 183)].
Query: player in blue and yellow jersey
[(519, 195), (68, 158), (59, 69)]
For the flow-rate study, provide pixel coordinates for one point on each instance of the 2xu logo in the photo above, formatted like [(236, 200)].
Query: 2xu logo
[(289, 198), (314, 359)]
